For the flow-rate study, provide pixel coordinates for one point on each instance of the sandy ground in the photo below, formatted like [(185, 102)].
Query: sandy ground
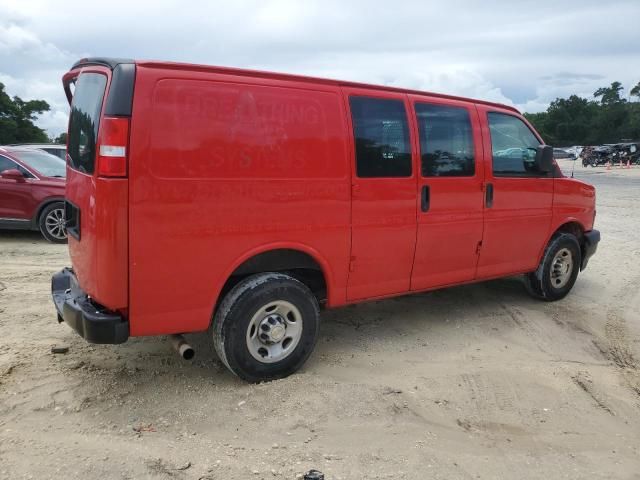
[(479, 381)]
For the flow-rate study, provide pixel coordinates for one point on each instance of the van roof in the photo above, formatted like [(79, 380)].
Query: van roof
[(113, 62)]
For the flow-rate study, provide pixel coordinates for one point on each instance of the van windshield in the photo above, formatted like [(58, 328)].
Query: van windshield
[(84, 121)]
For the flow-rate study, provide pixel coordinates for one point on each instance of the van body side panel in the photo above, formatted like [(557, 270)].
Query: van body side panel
[(99, 258), (573, 201), (80, 190), (112, 233), (222, 167), (516, 227)]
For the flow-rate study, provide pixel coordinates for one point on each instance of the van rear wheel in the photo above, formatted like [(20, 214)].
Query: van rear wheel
[(558, 270), (266, 327)]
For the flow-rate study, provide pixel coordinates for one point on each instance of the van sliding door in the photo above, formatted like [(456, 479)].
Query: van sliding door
[(383, 233)]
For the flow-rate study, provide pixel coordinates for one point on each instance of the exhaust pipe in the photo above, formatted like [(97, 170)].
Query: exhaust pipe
[(181, 346)]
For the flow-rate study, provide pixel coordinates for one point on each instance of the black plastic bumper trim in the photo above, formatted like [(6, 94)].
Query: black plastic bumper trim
[(91, 321), (589, 247)]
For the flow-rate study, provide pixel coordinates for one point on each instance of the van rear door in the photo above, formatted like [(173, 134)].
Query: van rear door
[(100, 93)]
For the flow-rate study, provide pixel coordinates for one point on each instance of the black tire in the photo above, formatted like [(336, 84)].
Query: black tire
[(232, 321), (48, 223), (541, 284)]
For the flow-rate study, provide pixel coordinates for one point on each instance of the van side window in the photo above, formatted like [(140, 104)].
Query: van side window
[(381, 131), (513, 147), (446, 141)]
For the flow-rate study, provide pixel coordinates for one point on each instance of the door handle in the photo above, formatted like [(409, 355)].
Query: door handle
[(489, 195), (425, 198)]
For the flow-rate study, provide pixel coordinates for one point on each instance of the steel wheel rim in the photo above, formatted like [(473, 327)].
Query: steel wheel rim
[(561, 268), (55, 225), (274, 331)]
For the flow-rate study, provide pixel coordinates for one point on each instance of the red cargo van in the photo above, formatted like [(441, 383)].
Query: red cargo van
[(240, 202)]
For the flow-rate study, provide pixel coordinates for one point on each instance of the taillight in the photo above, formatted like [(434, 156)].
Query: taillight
[(112, 147)]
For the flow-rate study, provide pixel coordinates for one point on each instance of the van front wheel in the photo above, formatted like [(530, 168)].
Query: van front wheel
[(266, 327), (558, 270)]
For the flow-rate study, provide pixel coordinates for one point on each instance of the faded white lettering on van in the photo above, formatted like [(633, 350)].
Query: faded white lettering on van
[(217, 130)]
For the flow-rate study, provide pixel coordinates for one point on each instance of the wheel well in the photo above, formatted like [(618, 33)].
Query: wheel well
[(573, 228), (299, 265)]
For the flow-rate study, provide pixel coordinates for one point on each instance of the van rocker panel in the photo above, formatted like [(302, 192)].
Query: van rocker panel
[(89, 320)]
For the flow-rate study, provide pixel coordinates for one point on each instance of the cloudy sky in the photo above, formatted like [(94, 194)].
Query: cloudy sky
[(523, 52)]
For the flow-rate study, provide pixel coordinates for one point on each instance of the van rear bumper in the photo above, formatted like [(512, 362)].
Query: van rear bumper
[(92, 322)]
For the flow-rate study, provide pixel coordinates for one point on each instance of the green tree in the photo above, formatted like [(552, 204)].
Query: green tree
[(542, 124), (610, 124), (608, 118), (566, 122), (61, 139), (610, 95), (571, 119), (17, 117)]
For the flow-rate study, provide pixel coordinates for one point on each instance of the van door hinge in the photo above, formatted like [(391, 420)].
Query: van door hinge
[(352, 263), (479, 247)]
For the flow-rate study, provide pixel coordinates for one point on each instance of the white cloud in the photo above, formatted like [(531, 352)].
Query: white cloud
[(524, 53)]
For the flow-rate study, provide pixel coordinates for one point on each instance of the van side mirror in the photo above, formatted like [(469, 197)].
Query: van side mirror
[(544, 158), (12, 174)]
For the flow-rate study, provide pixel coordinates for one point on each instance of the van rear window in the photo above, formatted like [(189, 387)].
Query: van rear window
[(84, 121)]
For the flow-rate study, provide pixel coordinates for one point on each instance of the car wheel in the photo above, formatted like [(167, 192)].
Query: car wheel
[(52, 224), (266, 327), (558, 270)]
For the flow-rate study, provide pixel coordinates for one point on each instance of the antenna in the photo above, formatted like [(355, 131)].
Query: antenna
[(575, 160)]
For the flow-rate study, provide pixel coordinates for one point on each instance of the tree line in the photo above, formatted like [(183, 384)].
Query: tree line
[(606, 118), (17, 117)]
